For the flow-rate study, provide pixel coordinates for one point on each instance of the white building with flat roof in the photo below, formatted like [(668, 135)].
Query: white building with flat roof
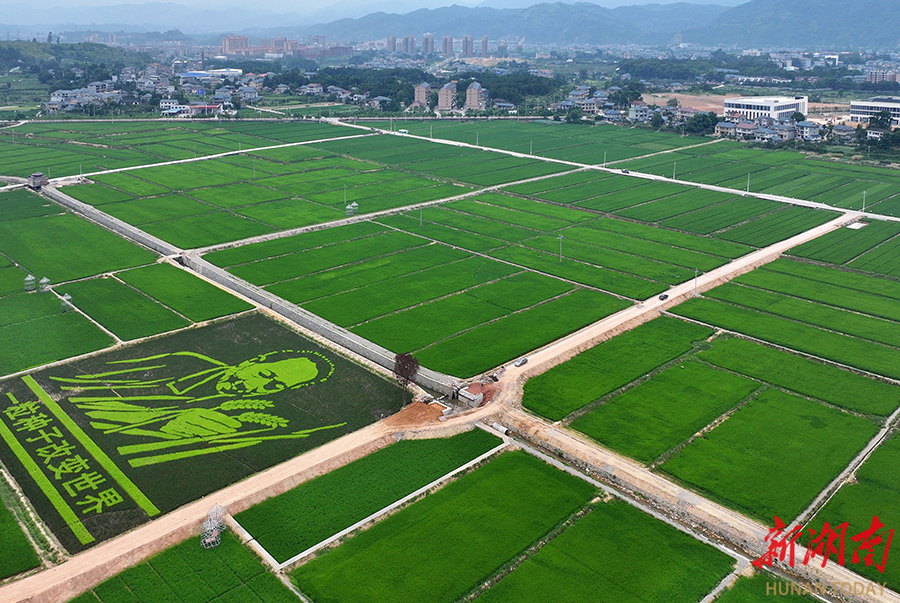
[(776, 107), (862, 110)]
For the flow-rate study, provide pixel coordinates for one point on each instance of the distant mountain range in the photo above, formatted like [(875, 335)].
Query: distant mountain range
[(580, 23), (834, 24), (823, 24)]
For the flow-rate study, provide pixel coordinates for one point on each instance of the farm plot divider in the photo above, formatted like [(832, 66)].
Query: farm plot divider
[(381, 356)]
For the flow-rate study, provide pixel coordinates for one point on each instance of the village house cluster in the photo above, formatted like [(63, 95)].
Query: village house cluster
[(129, 87), (599, 106)]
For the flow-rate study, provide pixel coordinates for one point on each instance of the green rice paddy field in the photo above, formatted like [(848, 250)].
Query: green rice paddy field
[(871, 249), (290, 523), (598, 552), (18, 553), (134, 298), (85, 147), (833, 314), (428, 269), (210, 405), (553, 139), (874, 494), (781, 172), (190, 574), (697, 412), (756, 428), (772, 456), (473, 166), (486, 517), (220, 200), (754, 222), (602, 558), (378, 281)]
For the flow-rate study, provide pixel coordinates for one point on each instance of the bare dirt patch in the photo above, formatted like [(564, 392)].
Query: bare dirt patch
[(417, 413)]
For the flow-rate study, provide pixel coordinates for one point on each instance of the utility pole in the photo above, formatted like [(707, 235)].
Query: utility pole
[(674, 163), (748, 182), (864, 201), (560, 237)]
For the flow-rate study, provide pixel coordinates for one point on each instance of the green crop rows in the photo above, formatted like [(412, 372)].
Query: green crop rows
[(292, 522), (190, 574), (780, 172), (826, 344), (18, 553), (485, 517), (121, 309), (773, 456), (608, 366), (845, 245), (34, 331), (63, 247), (602, 557), (379, 282), (225, 199), (112, 145), (657, 415), (833, 314), (874, 494), (38, 237), (554, 140), (183, 292), (806, 377)]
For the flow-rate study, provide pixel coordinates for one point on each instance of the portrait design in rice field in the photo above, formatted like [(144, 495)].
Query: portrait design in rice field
[(110, 440), (181, 404)]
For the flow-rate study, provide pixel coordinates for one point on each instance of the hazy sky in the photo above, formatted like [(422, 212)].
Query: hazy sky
[(236, 14), (309, 6)]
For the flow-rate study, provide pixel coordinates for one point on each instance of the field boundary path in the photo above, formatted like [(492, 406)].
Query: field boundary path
[(87, 569), (370, 216), (394, 505), (73, 179), (631, 173), (666, 152), (91, 567)]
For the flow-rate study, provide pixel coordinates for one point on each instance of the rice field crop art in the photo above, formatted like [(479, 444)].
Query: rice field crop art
[(105, 443)]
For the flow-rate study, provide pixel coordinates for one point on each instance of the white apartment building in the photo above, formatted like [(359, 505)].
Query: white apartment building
[(777, 107), (862, 110)]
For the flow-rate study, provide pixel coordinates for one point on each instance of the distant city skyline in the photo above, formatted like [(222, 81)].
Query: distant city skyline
[(100, 12)]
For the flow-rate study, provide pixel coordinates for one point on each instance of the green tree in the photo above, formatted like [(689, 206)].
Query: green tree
[(656, 121), (702, 123), (881, 120), (672, 102), (574, 115), (797, 116)]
